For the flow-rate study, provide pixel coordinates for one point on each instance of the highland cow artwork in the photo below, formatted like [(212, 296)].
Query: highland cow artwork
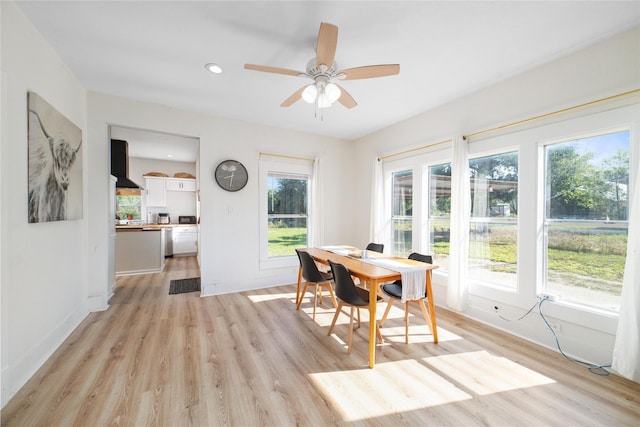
[(55, 164)]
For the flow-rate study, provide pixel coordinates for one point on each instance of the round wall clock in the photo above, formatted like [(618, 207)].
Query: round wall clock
[(231, 175)]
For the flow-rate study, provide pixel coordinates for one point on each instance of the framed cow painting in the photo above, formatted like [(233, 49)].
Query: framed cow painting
[(55, 164)]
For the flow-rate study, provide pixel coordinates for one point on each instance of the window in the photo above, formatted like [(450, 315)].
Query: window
[(440, 214), (401, 215), (128, 202), (287, 203), (585, 221), (493, 231)]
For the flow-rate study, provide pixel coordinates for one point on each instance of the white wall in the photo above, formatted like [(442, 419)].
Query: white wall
[(601, 70), (229, 229), (44, 271)]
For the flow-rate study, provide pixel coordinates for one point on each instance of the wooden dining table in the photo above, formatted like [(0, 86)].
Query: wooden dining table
[(374, 276)]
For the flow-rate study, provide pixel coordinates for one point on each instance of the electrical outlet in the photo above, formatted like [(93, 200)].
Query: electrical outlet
[(549, 297)]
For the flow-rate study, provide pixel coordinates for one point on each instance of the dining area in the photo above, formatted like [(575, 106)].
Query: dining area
[(360, 279)]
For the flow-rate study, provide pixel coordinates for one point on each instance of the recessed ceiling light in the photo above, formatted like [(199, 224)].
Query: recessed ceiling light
[(214, 68), (169, 155)]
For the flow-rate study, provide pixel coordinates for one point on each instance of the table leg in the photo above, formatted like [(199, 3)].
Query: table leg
[(432, 309), (299, 282), (373, 303)]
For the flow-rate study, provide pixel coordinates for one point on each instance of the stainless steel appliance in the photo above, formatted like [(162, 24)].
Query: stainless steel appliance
[(164, 218), (168, 241), (186, 219)]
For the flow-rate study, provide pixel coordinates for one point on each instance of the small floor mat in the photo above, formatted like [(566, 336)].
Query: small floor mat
[(182, 286)]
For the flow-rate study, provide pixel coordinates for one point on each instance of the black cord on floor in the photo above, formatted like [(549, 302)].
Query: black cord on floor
[(594, 369)]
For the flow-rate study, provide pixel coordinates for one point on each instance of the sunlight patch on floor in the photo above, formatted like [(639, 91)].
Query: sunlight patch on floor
[(483, 373), (368, 393), (272, 297)]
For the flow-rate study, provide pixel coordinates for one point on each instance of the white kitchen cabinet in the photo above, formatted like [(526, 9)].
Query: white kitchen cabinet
[(156, 191), (180, 184), (185, 240)]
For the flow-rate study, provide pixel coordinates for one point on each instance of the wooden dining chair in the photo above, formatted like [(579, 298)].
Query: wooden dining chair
[(319, 279), (351, 296), (394, 292)]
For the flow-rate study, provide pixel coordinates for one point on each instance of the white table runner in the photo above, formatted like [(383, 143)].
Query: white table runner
[(413, 278)]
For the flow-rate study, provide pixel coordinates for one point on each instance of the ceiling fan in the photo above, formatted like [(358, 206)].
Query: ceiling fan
[(323, 71)]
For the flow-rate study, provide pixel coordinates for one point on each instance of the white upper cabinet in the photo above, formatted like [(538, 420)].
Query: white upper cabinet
[(155, 189), (180, 184)]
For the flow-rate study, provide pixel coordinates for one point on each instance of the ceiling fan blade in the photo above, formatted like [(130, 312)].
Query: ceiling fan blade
[(346, 99), (275, 70), (369, 71), (293, 98), (326, 44)]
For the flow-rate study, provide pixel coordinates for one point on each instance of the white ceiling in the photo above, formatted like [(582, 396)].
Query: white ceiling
[(155, 51)]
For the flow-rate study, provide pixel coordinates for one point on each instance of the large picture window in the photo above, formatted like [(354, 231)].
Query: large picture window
[(586, 218), (287, 203), (493, 231)]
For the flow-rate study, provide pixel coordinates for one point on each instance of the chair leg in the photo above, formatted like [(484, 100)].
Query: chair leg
[(426, 314), (333, 296), (298, 287), (335, 317), (304, 291), (386, 312), (350, 331), (379, 333), (406, 322), (315, 301), (358, 317)]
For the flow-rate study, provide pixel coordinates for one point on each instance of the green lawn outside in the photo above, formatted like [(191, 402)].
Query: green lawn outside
[(284, 241), (576, 267)]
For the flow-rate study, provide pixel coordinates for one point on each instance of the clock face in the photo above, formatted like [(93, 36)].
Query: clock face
[(231, 175)]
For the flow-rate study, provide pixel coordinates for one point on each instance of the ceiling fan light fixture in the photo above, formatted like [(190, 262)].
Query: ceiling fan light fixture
[(310, 93), (333, 92)]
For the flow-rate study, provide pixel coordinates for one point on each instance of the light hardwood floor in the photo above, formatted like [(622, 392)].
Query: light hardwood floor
[(248, 359)]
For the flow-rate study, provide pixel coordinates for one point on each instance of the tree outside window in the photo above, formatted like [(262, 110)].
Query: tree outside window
[(128, 203)]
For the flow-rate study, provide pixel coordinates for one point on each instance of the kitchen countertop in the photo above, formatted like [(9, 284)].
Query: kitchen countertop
[(151, 227)]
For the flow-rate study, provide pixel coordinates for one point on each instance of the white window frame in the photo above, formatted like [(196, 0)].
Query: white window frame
[(283, 166), (542, 282), (624, 117)]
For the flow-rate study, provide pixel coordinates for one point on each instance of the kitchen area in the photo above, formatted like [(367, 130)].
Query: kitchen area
[(155, 209)]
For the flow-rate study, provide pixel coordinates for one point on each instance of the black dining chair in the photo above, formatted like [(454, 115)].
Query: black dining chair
[(376, 247), (394, 292), (352, 296), (312, 275)]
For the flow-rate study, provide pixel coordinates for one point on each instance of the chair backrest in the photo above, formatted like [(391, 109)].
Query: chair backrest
[(422, 258), (376, 247), (344, 287), (310, 270)]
